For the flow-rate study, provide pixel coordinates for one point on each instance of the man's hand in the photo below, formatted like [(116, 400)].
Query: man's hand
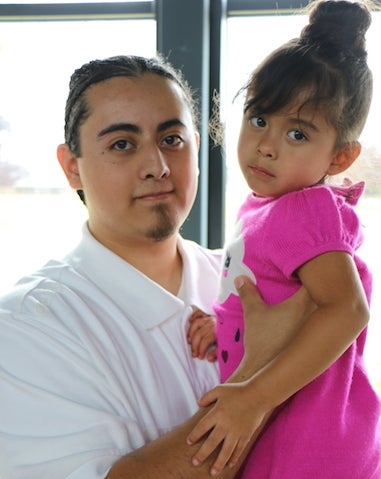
[(268, 328)]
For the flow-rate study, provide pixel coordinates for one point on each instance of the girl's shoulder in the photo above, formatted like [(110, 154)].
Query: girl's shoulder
[(305, 204), (322, 212), (320, 198), (309, 222)]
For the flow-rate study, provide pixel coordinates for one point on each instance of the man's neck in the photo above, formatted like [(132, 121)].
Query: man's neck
[(158, 260)]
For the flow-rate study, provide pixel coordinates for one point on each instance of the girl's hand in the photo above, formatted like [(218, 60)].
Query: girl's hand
[(231, 423), (202, 336)]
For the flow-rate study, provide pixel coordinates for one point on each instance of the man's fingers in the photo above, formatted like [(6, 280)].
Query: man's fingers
[(248, 293)]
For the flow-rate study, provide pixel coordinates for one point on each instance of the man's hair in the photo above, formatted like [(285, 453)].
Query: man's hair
[(96, 71)]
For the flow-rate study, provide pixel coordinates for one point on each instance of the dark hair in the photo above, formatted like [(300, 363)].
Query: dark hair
[(96, 71), (328, 63)]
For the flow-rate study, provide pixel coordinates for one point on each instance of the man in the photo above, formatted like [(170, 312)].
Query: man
[(94, 358)]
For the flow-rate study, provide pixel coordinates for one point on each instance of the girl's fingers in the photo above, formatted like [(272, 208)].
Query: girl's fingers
[(199, 431), (224, 457), (209, 445), (208, 398), (238, 451), (207, 341), (212, 355)]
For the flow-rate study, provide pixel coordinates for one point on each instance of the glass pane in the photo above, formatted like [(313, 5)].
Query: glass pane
[(39, 214), (250, 39)]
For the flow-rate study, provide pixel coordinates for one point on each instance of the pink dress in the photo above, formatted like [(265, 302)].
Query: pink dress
[(330, 429)]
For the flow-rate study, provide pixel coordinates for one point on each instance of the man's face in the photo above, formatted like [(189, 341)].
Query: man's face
[(139, 164)]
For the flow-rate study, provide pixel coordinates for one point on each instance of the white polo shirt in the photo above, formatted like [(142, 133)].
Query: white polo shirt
[(94, 361)]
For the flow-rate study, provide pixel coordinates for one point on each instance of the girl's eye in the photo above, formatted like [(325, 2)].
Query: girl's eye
[(297, 135), (122, 145), (258, 121), (173, 140)]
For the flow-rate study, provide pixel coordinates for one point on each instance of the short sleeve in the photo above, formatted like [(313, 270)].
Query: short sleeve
[(307, 223)]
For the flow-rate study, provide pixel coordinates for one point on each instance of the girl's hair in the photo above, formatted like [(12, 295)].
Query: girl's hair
[(77, 109), (327, 64)]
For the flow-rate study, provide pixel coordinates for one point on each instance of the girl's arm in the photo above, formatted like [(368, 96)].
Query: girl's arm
[(333, 282), (240, 410)]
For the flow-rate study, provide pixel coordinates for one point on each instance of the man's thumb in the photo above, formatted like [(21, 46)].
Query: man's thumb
[(247, 292)]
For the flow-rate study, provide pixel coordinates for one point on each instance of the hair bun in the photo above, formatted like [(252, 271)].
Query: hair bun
[(338, 26)]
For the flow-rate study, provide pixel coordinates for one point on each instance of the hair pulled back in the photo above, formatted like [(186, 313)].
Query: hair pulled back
[(96, 71), (327, 64)]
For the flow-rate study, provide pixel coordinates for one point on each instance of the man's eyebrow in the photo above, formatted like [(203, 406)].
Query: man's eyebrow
[(129, 127), (132, 128), (169, 124)]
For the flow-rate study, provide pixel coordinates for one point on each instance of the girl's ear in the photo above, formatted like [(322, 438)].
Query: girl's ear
[(69, 164), (344, 158)]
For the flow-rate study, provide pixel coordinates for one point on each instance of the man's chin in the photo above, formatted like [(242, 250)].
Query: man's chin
[(166, 224)]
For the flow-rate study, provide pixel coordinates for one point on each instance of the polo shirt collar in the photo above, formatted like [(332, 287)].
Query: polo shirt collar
[(200, 280), (144, 302)]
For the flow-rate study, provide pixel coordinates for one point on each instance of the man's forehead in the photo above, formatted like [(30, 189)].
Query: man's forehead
[(157, 92)]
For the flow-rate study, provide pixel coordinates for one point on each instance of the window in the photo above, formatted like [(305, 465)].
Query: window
[(39, 214)]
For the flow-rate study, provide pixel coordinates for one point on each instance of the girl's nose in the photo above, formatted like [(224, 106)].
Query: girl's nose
[(266, 146), (265, 151)]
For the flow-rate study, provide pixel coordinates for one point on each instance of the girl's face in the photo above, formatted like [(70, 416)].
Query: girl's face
[(285, 151)]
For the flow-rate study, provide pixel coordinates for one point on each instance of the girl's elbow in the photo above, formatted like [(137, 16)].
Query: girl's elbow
[(362, 314)]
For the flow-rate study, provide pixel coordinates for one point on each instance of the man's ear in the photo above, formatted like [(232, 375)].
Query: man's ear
[(197, 137), (344, 158), (69, 164)]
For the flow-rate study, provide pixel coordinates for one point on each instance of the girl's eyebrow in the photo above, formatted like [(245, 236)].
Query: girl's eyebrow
[(304, 123), (297, 120), (248, 105)]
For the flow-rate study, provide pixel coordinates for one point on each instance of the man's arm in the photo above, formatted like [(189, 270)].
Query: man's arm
[(170, 457)]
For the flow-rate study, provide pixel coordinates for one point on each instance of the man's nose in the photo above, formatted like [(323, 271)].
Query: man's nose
[(154, 164)]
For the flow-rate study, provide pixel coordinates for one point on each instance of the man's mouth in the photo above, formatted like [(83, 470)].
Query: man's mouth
[(155, 195)]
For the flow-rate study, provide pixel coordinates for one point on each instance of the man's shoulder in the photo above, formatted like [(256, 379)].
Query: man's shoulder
[(37, 289), (196, 251)]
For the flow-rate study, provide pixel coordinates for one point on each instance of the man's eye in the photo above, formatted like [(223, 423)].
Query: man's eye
[(173, 140), (257, 121), (121, 145), (297, 135)]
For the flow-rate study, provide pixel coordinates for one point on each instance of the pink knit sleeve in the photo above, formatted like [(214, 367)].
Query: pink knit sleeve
[(307, 223)]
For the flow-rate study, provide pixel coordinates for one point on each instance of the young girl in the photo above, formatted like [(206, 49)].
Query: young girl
[(305, 108)]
